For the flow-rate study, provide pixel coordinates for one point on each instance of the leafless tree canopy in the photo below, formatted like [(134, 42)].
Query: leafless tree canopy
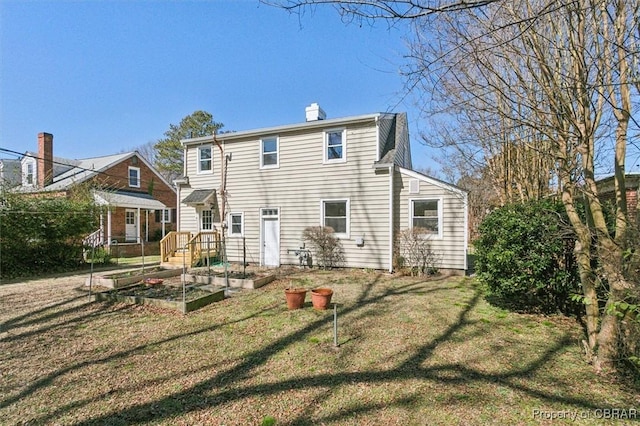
[(375, 10)]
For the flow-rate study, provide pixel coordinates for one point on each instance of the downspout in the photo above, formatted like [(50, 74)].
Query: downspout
[(391, 235), (178, 209), (223, 197), (466, 231)]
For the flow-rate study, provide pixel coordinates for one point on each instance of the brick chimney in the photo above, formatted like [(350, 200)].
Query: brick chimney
[(45, 159)]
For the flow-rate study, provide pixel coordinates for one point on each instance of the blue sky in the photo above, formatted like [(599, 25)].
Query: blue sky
[(108, 76)]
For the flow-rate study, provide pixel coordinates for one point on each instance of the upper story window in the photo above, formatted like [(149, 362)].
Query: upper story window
[(427, 214), (335, 146), (335, 214), (134, 177), (205, 159), (236, 224), (28, 176), (269, 154)]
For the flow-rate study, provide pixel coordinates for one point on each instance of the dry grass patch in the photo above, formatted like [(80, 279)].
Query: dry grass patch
[(412, 351)]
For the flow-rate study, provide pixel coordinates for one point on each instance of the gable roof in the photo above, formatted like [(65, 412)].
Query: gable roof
[(433, 181), (67, 173), (307, 125), (395, 146)]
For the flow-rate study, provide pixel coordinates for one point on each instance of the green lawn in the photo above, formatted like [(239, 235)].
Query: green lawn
[(412, 352)]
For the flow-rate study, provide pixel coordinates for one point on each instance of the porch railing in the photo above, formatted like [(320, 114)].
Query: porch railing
[(172, 243), (94, 239), (192, 246)]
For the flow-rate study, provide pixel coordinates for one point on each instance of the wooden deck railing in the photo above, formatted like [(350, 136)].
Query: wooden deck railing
[(172, 242), (193, 247), (203, 243)]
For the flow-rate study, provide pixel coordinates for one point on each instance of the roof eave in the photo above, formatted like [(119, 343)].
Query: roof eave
[(224, 137)]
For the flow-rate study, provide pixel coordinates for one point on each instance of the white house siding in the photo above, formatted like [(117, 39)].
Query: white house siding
[(297, 187), (453, 244)]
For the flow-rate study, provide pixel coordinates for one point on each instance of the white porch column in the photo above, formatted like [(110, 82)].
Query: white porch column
[(138, 237), (109, 235)]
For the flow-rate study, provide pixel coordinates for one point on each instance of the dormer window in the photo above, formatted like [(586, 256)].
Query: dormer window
[(134, 177), (29, 179)]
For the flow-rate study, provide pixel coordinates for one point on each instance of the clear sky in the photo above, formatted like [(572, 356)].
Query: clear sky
[(108, 76)]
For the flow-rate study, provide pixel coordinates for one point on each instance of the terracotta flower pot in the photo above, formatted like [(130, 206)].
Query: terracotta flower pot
[(295, 297), (321, 297)]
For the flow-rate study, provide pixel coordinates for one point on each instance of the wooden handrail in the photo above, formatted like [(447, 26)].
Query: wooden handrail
[(201, 242), (193, 246), (172, 242)]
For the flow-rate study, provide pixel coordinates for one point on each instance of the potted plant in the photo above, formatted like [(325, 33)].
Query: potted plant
[(321, 297), (295, 297)]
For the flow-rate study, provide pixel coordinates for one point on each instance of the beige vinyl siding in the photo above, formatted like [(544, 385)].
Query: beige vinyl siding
[(297, 187), (452, 245)]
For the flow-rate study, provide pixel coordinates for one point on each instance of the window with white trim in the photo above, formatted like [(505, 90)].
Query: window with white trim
[(335, 214), (205, 159), (335, 146), (163, 216), (236, 224), (269, 153), (134, 177), (206, 218), (427, 214), (29, 175)]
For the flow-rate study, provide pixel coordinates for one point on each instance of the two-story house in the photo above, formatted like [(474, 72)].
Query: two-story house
[(353, 174), (138, 203)]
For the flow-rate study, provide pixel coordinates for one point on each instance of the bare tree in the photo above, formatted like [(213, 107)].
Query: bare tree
[(538, 88), (373, 9)]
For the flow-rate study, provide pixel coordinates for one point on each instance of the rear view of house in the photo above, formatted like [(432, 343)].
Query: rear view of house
[(353, 174)]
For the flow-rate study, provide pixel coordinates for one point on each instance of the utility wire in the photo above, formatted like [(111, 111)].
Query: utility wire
[(70, 164)]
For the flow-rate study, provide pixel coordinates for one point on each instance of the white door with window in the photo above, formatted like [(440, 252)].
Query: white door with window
[(131, 228), (270, 237)]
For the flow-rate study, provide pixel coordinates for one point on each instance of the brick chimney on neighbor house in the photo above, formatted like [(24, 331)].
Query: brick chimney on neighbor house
[(45, 159)]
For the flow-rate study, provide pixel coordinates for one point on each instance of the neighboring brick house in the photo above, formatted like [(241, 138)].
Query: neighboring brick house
[(139, 204), (606, 191)]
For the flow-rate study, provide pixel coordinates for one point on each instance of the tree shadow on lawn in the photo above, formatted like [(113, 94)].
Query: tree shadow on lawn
[(32, 318), (50, 378), (191, 399)]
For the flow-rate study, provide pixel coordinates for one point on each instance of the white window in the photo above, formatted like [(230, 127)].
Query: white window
[(134, 177), (427, 214), (163, 216), (335, 146), (130, 217), (29, 174), (205, 159), (166, 216), (236, 224), (335, 214), (206, 218), (269, 153)]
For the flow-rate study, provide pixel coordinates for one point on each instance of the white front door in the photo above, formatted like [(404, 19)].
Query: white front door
[(270, 239), (131, 228)]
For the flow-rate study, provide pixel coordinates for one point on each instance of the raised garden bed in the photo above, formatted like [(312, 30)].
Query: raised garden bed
[(163, 296), (123, 279), (236, 280)]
